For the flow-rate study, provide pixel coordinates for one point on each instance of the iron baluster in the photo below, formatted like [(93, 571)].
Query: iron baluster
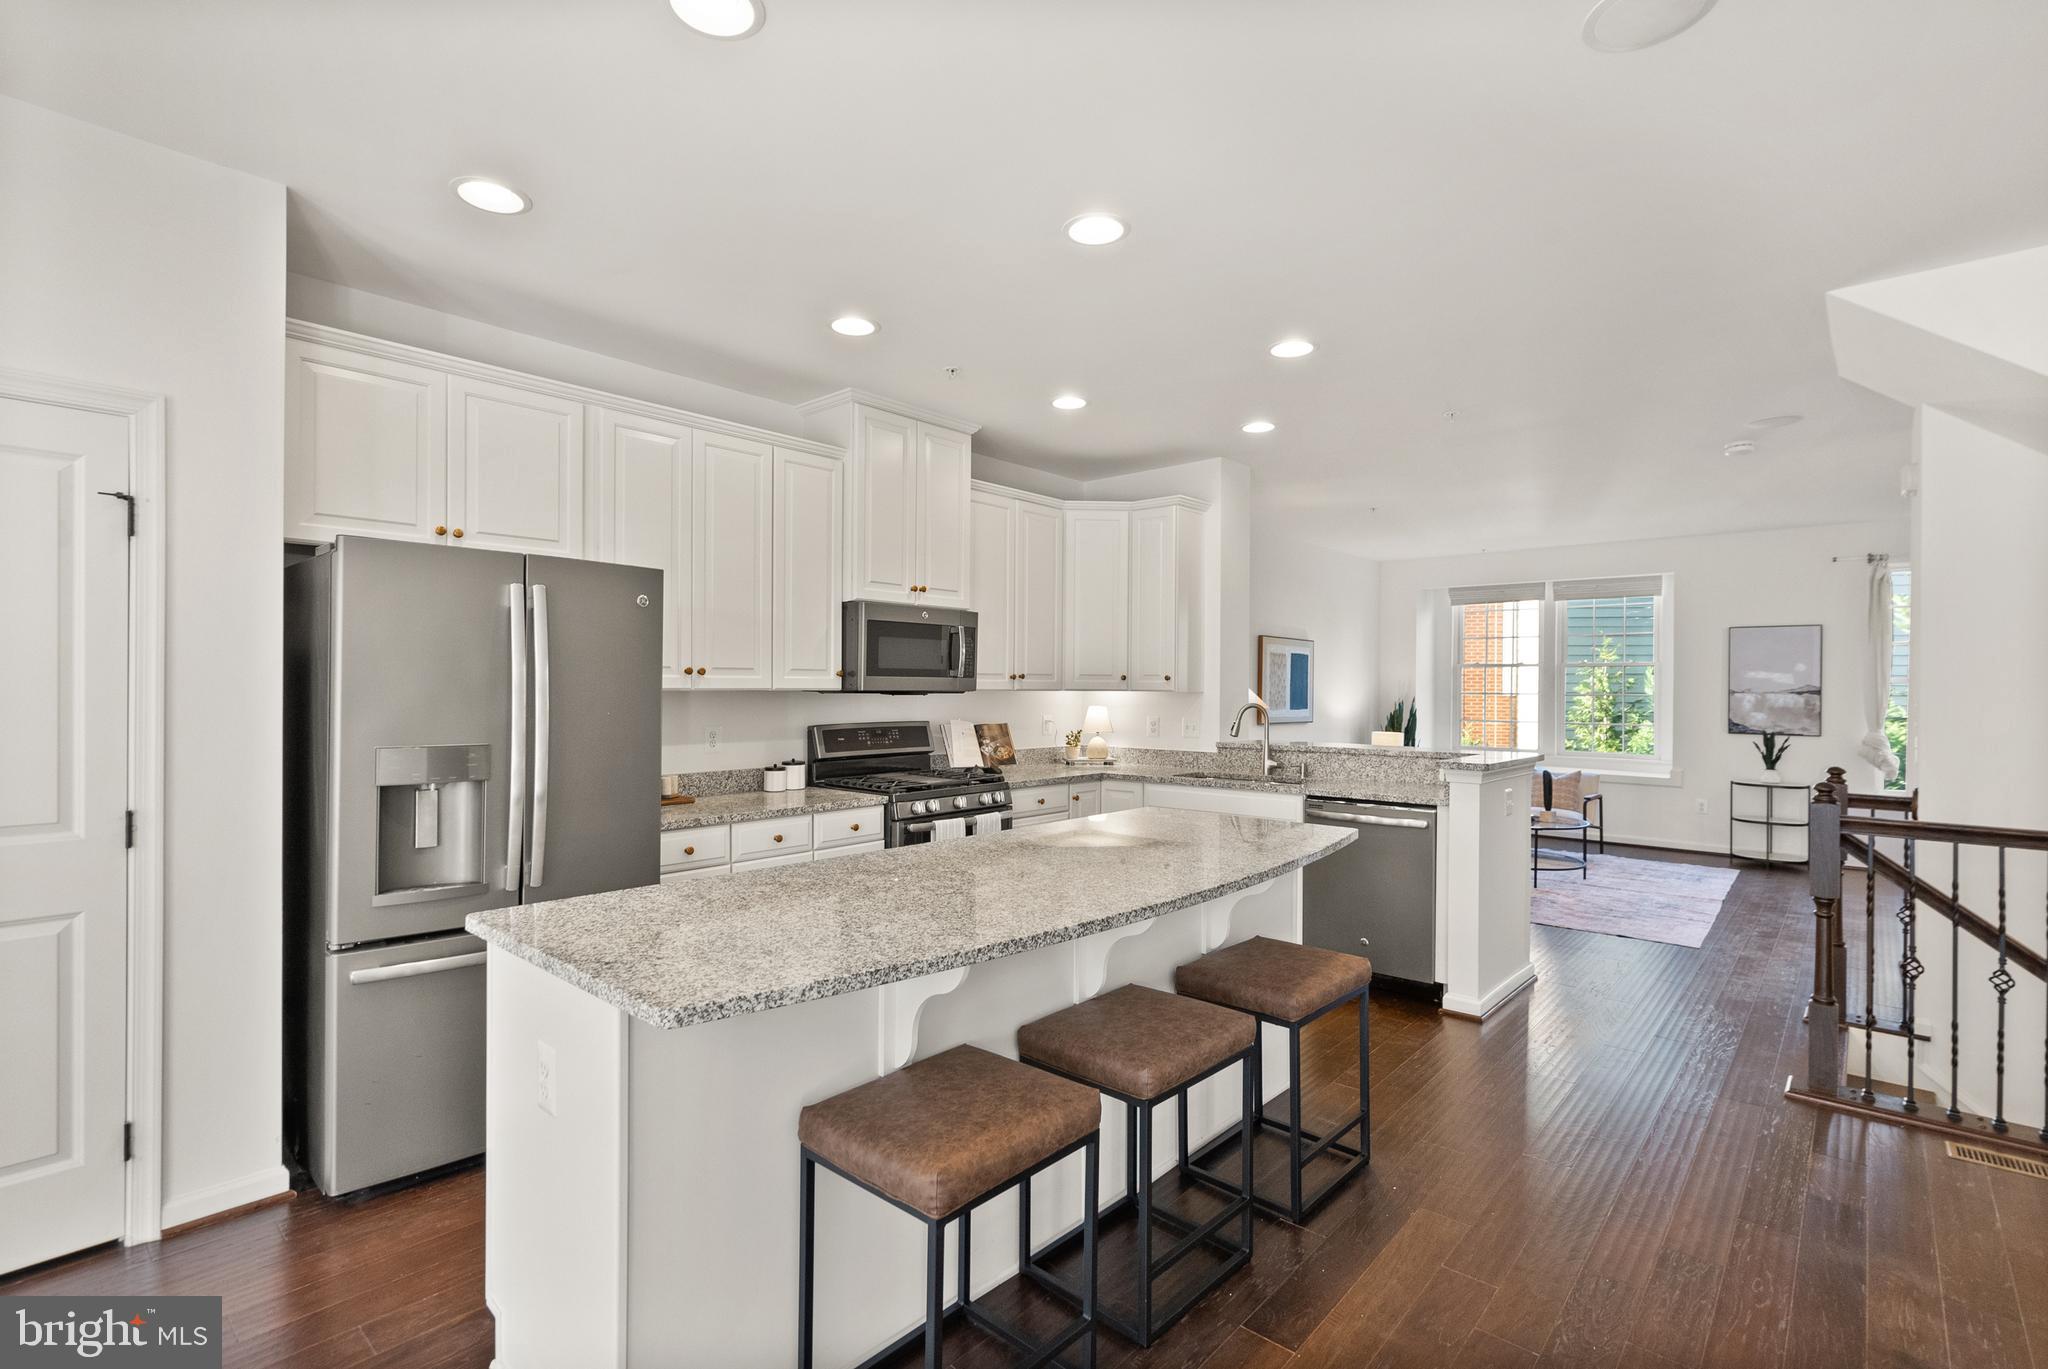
[(2001, 980), (1909, 968), (1955, 982), (1869, 967)]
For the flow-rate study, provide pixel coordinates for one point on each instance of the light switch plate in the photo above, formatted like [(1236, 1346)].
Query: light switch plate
[(1045, 727), (545, 1091)]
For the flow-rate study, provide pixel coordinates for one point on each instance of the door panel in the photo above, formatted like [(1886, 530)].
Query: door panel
[(1035, 594), (809, 513), (518, 479), (1098, 595), (366, 445), (63, 805), (604, 742), (644, 476), (884, 564), (992, 525), (731, 623), (1152, 599), (944, 482)]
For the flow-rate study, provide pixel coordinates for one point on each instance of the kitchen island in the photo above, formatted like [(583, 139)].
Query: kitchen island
[(649, 1050)]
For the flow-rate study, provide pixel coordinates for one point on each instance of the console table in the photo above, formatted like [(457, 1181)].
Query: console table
[(1771, 822)]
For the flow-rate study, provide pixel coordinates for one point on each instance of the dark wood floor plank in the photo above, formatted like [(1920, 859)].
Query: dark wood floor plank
[(1906, 1325), (1382, 1295), (1979, 1302), (1243, 1350)]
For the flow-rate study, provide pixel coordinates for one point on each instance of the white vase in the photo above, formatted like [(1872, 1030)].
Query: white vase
[(1073, 753)]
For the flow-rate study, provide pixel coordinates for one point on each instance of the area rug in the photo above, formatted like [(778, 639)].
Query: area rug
[(1651, 900)]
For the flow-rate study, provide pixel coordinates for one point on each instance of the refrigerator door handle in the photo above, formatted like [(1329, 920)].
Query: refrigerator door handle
[(537, 862), (515, 822)]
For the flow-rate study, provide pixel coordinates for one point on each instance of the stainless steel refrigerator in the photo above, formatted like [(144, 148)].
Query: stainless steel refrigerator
[(465, 730)]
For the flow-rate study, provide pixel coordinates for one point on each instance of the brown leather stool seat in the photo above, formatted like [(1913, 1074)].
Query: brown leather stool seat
[(1289, 986), (1136, 1041), (943, 1131), (1275, 979)]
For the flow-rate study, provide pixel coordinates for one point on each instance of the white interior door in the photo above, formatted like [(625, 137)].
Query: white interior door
[(63, 829)]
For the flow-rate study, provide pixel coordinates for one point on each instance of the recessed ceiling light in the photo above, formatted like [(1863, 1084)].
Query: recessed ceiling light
[(1776, 421), (1292, 347), (722, 18), (1632, 25), (852, 325), (493, 197), (1069, 402), (1740, 447), (1096, 230), (1259, 425)]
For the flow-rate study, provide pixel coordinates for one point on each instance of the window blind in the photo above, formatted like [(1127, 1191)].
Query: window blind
[(1608, 587), (1498, 594)]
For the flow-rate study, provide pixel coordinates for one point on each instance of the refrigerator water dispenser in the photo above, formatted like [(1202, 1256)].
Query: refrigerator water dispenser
[(430, 821)]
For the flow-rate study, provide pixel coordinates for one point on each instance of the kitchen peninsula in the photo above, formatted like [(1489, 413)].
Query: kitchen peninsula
[(649, 1050)]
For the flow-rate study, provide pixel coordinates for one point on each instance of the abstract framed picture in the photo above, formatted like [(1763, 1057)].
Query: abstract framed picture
[(1774, 680), (1287, 678)]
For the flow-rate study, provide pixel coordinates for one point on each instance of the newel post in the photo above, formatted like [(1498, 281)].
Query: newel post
[(1824, 849)]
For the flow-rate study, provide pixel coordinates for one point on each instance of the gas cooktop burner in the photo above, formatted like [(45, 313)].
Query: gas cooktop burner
[(908, 781)]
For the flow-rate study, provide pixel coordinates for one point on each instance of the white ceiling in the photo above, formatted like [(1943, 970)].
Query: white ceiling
[(1603, 264)]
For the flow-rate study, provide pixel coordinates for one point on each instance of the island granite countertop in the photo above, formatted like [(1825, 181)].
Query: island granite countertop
[(677, 954)]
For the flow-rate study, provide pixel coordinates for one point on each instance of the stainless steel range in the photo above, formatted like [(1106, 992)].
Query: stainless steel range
[(901, 762)]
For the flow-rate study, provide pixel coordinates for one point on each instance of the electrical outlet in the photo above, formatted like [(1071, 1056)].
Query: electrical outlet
[(1700, 806), (711, 738), (1045, 727), (545, 1096), (1190, 730), (1151, 727)]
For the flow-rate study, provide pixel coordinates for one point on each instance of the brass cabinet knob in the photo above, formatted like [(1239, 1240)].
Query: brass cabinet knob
[(1169, 677), (1077, 798), (700, 670), (689, 850), (840, 674), (458, 532), (854, 825), (440, 529), (778, 836), (1123, 677), (1041, 803)]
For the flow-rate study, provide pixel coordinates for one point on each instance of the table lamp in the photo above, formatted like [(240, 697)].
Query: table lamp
[(1097, 723)]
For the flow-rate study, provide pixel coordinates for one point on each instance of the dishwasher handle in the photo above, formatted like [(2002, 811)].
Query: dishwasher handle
[(1366, 819)]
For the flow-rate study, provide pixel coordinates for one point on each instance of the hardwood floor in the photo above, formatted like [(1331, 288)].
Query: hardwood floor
[(1604, 1173)]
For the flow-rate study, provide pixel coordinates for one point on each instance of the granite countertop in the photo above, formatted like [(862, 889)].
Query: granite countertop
[(677, 954), (715, 810), (1133, 766)]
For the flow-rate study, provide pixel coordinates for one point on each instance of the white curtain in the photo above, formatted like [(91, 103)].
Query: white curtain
[(1875, 747)]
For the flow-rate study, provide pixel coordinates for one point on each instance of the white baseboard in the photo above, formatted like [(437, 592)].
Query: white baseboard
[(1706, 848), (1458, 1005), (190, 1207)]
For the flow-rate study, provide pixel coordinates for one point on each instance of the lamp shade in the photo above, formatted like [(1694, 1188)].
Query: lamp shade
[(1097, 719)]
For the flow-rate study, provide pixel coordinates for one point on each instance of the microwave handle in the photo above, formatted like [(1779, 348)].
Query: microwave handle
[(956, 651)]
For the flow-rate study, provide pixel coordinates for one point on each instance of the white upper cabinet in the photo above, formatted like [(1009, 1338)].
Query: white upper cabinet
[(643, 518), (731, 623), (991, 524), (1097, 595), (1165, 604), (809, 499), (1038, 567), (515, 480), (885, 475), (944, 482), (366, 445)]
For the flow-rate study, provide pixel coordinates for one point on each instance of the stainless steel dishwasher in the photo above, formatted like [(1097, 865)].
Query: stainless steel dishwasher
[(1376, 897)]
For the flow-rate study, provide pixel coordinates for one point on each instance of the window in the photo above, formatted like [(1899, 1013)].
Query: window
[(1896, 713), (1610, 675), (1498, 681), (1577, 669)]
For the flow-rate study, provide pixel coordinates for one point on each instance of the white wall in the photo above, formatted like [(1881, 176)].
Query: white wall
[(1724, 581), (125, 264), (1333, 599)]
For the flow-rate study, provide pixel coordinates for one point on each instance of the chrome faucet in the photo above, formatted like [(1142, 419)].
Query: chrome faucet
[(1268, 764)]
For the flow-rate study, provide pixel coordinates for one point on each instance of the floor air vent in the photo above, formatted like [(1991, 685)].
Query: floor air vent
[(1997, 1159)]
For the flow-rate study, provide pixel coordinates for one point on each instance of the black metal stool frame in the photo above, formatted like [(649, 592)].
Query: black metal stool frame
[(936, 1309), (1151, 1322), (1296, 1210)]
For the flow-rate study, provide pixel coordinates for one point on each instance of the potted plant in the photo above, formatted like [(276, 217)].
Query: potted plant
[(1772, 748), (1074, 745)]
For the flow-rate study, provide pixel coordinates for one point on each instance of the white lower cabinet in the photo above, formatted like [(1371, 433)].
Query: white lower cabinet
[(846, 826), (1084, 797), (695, 846), (770, 837), (1119, 795), (1037, 819), (1040, 801)]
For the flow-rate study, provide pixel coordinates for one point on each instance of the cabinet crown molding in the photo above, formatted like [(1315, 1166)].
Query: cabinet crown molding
[(524, 380), (826, 403), (1051, 501)]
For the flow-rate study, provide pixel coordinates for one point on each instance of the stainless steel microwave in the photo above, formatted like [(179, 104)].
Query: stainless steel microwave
[(906, 648)]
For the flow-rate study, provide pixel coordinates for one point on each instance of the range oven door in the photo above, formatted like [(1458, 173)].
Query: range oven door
[(906, 648), (918, 831)]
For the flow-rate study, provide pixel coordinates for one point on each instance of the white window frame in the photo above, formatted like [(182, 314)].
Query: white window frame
[(1550, 666)]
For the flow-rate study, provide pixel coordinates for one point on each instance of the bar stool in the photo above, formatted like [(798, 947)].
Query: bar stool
[(937, 1139), (1289, 986), (1141, 1046)]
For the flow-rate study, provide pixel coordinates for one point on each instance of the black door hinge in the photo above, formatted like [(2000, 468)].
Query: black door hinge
[(131, 829), (127, 1140), (129, 500)]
